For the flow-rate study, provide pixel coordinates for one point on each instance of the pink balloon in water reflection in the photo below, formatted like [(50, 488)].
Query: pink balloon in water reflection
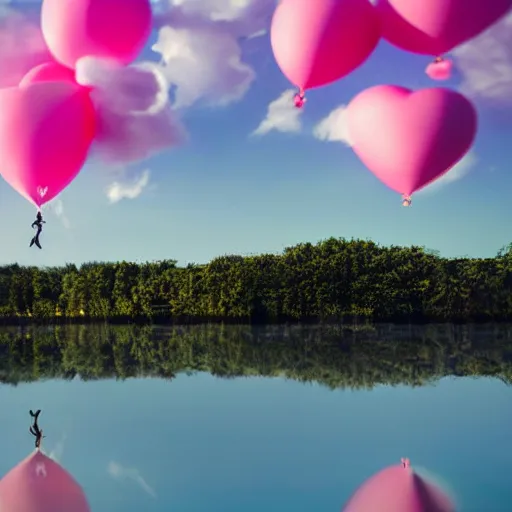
[(398, 489), (111, 29), (434, 27), (46, 130), (440, 69), (409, 139), (48, 72), (39, 484), (318, 42)]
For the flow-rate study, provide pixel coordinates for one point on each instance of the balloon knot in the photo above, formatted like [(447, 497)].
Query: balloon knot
[(406, 200), (299, 99), (406, 463), (439, 58)]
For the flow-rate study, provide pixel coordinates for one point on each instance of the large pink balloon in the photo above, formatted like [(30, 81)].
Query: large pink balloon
[(398, 489), (38, 484), (434, 27), (316, 42), (408, 139), (46, 130), (48, 72), (110, 29)]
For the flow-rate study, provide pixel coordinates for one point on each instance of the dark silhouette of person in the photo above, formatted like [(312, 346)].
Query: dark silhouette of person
[(38, 223), (35, 430)]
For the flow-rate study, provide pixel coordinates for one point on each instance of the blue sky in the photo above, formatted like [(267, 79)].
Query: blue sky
[(203, 443), (226, 190)]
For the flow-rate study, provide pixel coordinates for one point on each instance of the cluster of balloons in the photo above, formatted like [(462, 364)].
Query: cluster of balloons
[(407, 139), (49, 122), (399, 488)]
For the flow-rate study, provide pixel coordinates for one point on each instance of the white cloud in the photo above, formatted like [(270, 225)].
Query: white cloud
[(120, 472), (58, 450), (457, 172), (486, 64), (203, 63), (199, 42), (56, 207), (333, 128), (282, 116), (128, 189)]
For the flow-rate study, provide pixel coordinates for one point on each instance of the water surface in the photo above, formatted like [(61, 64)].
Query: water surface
[(229, 418)]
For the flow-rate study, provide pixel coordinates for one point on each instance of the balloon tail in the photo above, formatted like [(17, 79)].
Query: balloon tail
[(299, 99), (439, 69), (406, 463), (406, 201)]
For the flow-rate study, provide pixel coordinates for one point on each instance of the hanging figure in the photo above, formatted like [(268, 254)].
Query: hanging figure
[(406, 200), (299, 99), (35, 430), (38, 223)]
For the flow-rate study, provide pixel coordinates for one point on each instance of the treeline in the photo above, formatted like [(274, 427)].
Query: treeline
[(330, 355), (333, 280)]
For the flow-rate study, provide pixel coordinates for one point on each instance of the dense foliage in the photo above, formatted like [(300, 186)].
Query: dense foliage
[(331, 280), (334, 356)]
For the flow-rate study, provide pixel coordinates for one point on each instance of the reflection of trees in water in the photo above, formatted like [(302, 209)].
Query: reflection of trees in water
[(334, 356)]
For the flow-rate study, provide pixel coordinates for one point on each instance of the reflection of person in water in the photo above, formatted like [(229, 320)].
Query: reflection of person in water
[(35, 430), (38, 223)]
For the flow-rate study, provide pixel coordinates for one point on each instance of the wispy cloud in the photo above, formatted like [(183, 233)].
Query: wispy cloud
[(282, 116), (58, 450), (486, 64), (56, 207), (456, 173), (333, 128), (120, 472), (128, 188), (21, 43)]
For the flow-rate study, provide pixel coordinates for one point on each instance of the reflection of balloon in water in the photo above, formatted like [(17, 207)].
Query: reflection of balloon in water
[(434, 27), (39, 484), (398, 489), (46, 130), (111, 29), (48, 72), (318, 42), (408, 139)]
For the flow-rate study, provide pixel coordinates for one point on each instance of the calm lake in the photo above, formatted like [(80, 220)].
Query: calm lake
[(230, 418)]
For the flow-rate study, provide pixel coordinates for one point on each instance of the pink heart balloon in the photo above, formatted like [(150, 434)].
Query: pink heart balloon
[(408, 139), (46, 129), (434, 27)]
